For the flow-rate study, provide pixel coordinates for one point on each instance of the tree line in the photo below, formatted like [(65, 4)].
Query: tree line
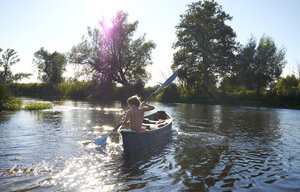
[(213, 66)]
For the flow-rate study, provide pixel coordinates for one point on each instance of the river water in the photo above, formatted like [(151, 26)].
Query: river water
[(212, 148)]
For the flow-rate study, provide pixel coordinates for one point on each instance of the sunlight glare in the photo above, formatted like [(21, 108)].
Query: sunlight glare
[(107, 22), (107, 15)]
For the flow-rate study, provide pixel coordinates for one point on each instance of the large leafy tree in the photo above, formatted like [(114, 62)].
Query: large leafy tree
[(110, 53), (246, 65), (9, 58), (260, 65), (50, 65), (205, 46)]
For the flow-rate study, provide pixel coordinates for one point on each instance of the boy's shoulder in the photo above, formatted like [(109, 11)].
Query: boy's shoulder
[(129, 111)]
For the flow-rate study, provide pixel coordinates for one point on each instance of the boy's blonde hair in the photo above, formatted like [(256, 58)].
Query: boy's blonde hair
[(134, 100)]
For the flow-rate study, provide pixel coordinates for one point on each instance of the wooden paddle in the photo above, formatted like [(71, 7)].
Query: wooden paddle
[(101, 141)]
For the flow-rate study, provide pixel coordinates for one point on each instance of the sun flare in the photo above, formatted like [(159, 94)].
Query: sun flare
[(108, 11), (107, 21)]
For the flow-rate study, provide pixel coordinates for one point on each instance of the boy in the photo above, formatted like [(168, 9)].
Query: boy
[(136, 114)]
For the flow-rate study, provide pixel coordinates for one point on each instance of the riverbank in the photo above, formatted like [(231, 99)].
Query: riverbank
[(9, 103), (242, 97), (79, 90), (172, 94)]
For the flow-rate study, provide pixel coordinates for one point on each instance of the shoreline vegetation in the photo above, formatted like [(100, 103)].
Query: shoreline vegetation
[(89, 91), (8, 102), (213, 67)]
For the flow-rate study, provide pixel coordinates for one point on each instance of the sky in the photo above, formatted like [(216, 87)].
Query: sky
[(57, 25)]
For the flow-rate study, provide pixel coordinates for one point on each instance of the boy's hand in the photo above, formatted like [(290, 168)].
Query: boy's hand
[(145, 105), (125, 126)]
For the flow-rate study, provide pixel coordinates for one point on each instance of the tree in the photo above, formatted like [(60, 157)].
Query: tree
[(260, 66), (111, 54), (50, 65), (205, 45), (288, 86), (9, 58), (298, 69), (245, 67), (228, 85)]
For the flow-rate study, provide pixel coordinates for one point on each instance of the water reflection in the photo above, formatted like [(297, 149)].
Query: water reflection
[(212, 148)]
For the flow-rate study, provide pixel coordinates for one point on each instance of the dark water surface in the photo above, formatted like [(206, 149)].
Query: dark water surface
[(261, 152)]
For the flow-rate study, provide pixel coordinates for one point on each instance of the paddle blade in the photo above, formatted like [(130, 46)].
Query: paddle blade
[(168, 81), (101, 141)]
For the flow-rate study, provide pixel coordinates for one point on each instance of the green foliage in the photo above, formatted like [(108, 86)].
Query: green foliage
[(228, 85), (66, 89), (205, 45), (90, 97), (4, 93), (13, 104), (79, 90), (213, 67), (50, 65), (9, 58), (233, 95), (168, 94), (7, 101), (260, 65), (111, 54), (206, 52), (288, 86), (38, 106), (76, 89)]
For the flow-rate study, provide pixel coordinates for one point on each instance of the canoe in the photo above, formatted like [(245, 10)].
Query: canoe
[(142, 141)]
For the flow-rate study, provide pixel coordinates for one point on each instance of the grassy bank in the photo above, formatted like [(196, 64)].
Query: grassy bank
[(177, 94), (171, 94), (78, 90), (9, 103)]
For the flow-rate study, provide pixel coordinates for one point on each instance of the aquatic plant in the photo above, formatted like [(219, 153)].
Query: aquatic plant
[(38, 106)]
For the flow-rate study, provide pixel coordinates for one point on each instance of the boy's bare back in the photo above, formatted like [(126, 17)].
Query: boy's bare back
[(135, 115)]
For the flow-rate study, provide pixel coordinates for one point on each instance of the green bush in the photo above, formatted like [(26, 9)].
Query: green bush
[(7, 101), (13, 104)]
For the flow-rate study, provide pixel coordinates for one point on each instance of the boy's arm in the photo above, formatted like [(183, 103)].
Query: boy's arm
[(125, 121), (147, 107)]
